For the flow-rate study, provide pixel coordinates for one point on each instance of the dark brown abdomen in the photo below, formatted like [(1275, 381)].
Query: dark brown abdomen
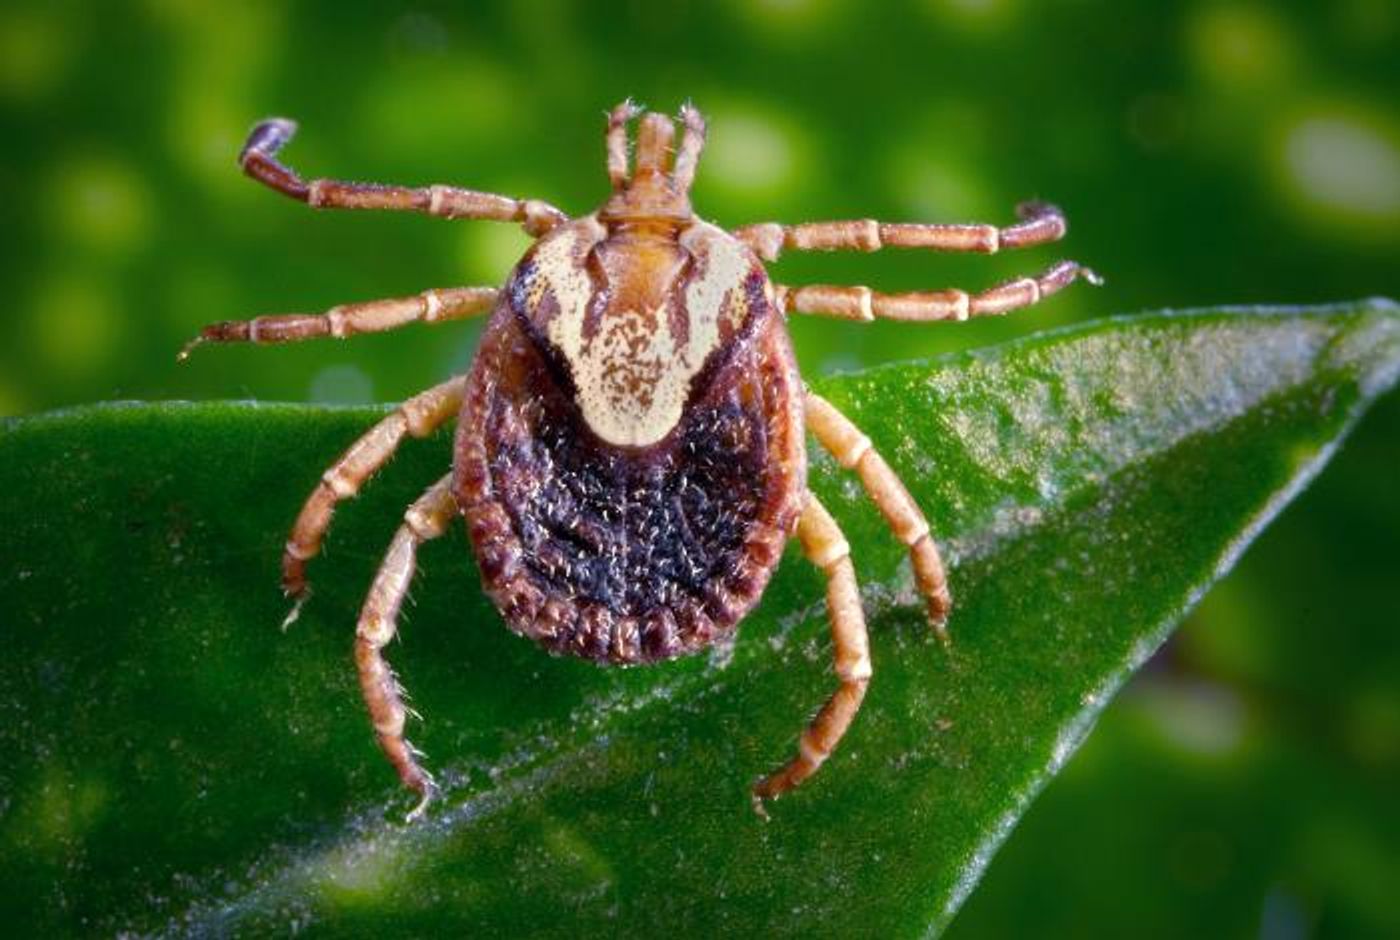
[(628, 555)]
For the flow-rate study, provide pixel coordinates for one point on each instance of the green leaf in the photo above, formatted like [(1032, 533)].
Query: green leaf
[(174, 763)]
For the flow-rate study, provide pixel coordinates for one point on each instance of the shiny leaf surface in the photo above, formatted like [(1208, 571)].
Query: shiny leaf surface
[(173, 763)]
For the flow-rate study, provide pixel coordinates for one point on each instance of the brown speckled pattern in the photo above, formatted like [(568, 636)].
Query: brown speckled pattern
[(629, 555)]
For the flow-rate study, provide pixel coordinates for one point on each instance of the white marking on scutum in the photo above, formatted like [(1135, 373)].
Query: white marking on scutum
[(632, 378)]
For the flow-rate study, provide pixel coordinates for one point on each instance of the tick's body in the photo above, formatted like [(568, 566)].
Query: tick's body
[(629, 456), (630, 448)]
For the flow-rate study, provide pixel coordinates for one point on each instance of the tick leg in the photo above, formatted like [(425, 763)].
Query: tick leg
[(853, 450), (826, 547), (862, 303), (375, 316), (259, 160), (417, 417), (1040, 223), (426, 519)]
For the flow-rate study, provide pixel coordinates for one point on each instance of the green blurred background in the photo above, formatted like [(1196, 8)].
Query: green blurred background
[(1206, 153)]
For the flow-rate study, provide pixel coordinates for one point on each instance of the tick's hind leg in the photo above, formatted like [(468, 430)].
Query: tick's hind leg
[(426, 519), (418, 417), (853, 450), (826, 547)]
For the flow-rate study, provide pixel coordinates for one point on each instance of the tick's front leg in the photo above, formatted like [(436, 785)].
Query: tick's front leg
[(259, 161)]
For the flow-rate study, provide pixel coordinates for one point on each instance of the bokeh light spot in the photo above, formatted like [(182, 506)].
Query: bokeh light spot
[(938, 190), (443, 107), (418, 33), (935, 169), (488, 252), (975, 14), (785, 21), (1237, 45), (101, 203), (219, 57), (341, 385), (1343, 167), (1198, 717), (73, 326), (1283, 916), (750, 153), (205, 134), (34, 52)]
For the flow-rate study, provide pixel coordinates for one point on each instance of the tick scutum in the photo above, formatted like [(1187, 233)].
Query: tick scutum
[(627, 554)]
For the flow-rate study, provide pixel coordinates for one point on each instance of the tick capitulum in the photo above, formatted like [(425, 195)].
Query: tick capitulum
[(630, 452)]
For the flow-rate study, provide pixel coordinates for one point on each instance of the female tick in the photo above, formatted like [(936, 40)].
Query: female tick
[(630, 442)]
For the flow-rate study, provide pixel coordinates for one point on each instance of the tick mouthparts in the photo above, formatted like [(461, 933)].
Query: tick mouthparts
[(655, 136)]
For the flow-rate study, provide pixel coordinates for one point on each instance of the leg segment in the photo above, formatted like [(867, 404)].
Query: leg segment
[(853, 450), (862, 303), (375, 316), (426, 519), (1040, 223), (259, 160), (418, 417), (826, 547)]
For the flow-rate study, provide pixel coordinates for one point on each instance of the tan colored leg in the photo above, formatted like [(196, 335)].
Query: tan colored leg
[(618, 119), (259, 160), (426, 519), (375, 316), (862, 303), (853, 450), (1040, 223), (418, 417), (826, 547)]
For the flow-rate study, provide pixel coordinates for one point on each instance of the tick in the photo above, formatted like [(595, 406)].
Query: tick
[(630, 450)]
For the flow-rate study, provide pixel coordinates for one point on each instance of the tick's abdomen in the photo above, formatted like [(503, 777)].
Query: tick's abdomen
[(633, 533), (627, 554)]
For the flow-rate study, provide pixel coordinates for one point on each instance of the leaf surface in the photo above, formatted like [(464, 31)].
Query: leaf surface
[(175, 764)]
